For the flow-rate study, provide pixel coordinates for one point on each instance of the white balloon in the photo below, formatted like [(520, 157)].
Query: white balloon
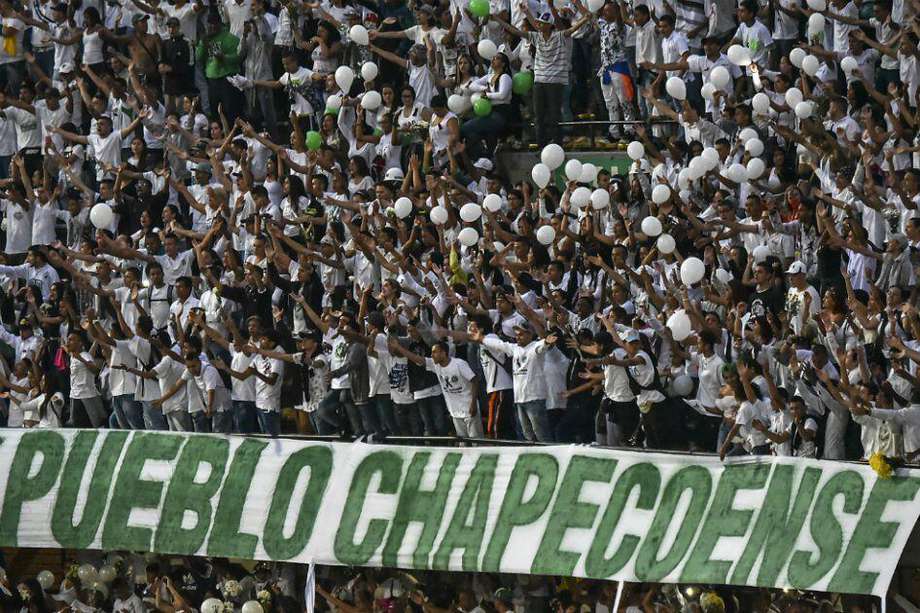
[(588, 173), (595, 5), (553, 156), (804, 109), (692, 271), (573, 170), (817, 5), (747, 134), (369, 71), (680, 326), (438, 215), (698, 167), (580, 197), (796, 56), (635, 150), (107, 573), (101, 215), (676, 88), (358, 35), (682, 386), (737, 172), (755, 168), (457, 103), (87, 572), (810, 65), (761, 103), (661, 193), (711, 156), (708, 91), (371, 100), (666, 243), (816, 23), (683, 178), (211, 605), (546, 235), (849, 64), (600, 198), (486, 49), (739, 55), (334, 102), (470, 212), (403, 207), (793, 97), (651, 227), (540, 175), (492, 203), (684, 195), (761, 253), (719, 77), (468, 237), (344, 77), (723, 276), (252, 606), (754, 147), (45, 579)]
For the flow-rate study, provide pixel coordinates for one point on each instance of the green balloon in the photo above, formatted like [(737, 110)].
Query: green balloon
[(333, 112), (378, 132), (522, 82), (314, 140), (479, 8), (482, 107)]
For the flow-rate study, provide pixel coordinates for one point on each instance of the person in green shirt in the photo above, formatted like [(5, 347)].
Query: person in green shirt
[(219, 50)]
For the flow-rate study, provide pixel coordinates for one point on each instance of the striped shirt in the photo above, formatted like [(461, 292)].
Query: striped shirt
[(552, 58)]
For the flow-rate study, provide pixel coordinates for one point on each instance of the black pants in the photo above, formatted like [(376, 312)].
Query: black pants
[(220, 91), (547, 109)]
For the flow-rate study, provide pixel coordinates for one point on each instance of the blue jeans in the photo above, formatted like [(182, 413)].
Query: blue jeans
[(201, 422), (270, 422), (434, 415), (329, 416), (385, 414), (408, 420), (153, 418), (534, 420), (245, 420), (222, 422), (128, 412)]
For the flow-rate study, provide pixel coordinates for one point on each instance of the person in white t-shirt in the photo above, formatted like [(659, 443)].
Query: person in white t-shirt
[(106, 143), (86, 408), (459, 385), (203, 379), (295, 81), (269, 373)]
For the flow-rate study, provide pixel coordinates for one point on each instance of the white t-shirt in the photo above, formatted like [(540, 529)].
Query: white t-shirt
[(296, 85), (456, 384), (242, 390), (82, 379), (268, 397), (169, 372), (497, 376), (339, 353), (747, 413), (28, 130), (122, 382), (526, 367), (208, 380), (18, 227), (106, 149), (616, 380)]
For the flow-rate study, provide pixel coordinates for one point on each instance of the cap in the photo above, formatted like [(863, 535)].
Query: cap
[(139, 17), (66, 67), (524, 325), (796, 268), (425, 8), (172, 21), (60, 7), (503, 594), (546, 17), (394, 174), (203, 167), (901, 239), (631, 336), (484, 164)]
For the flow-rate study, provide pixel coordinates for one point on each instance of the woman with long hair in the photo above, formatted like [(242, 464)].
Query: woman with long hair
[(496, 88)]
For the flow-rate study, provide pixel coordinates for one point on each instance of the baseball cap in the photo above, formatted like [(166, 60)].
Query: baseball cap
[(394, 174), (546, 17), (631, 336), (60, 7), (203, 167), (66, 67), (425, 8), (484, 164), (796, 268), (172, 21)]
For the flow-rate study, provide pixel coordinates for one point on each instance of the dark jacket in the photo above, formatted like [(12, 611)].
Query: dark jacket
[(355, 367), (177, 53)]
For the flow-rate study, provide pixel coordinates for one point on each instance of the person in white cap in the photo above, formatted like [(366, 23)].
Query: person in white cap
[(802, 300)]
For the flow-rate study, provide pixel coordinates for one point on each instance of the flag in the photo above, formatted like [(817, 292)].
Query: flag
[(309, 590)]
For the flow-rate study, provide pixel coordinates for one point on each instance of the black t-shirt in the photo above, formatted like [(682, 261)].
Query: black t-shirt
[(761, 301)]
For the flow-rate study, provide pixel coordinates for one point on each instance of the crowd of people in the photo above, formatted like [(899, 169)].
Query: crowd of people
[(140, 584), (256, 217)]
